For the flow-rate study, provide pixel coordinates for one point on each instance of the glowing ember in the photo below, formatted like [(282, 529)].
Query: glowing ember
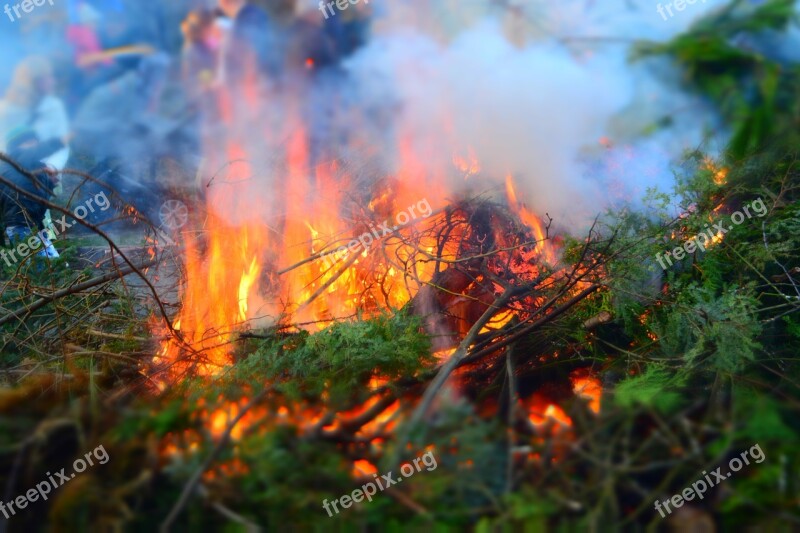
[(362, 468), (588, 387), (540, 412)]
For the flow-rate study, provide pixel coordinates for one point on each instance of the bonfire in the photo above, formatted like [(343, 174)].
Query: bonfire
[(378, 329)]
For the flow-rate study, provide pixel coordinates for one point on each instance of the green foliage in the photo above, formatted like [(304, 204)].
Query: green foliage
[(656, 388), (763, 418), (699, 364), (342, 358), (471, 462), (792, 326), (716, 346), (19, 288), (289, 477), (709, 330), (751, 92)]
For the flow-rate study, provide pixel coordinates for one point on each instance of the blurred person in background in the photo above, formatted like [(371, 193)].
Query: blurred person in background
[(253, 90), (256, 46), (82, 35), (16, 107), (89, 67), (322, 46), (222, 31), (21, 215), (280, 11), (31, 101), (123, 119), (349, 29), (315, 76), (109, 38), (200, 75), (199, 57), (50, 120)]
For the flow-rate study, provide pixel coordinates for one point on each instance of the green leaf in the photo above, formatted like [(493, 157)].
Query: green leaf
[(655, 388)]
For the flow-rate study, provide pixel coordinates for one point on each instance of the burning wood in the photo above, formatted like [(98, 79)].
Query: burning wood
[(356, 268), (485, 266)]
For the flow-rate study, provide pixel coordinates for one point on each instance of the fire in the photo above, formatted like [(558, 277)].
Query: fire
[(541, 411), (544, 246), (586, 386), (362, 467), (246, 283), (220, 275), (718, 174), (315, 273), (238, 271), (469, 165), (498, 321)]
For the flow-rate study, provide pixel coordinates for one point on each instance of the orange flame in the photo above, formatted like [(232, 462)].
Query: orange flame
[(544, 245), (232, 270)]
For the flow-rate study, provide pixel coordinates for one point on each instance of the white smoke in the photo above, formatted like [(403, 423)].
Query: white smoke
[(541, 90)]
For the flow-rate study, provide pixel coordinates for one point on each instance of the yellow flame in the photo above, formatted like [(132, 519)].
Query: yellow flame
[(247, 281)]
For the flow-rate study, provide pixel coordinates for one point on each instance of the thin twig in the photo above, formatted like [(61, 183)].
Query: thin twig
[(73, 290)]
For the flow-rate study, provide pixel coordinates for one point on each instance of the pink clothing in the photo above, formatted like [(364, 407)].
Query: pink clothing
[(85, 41)]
